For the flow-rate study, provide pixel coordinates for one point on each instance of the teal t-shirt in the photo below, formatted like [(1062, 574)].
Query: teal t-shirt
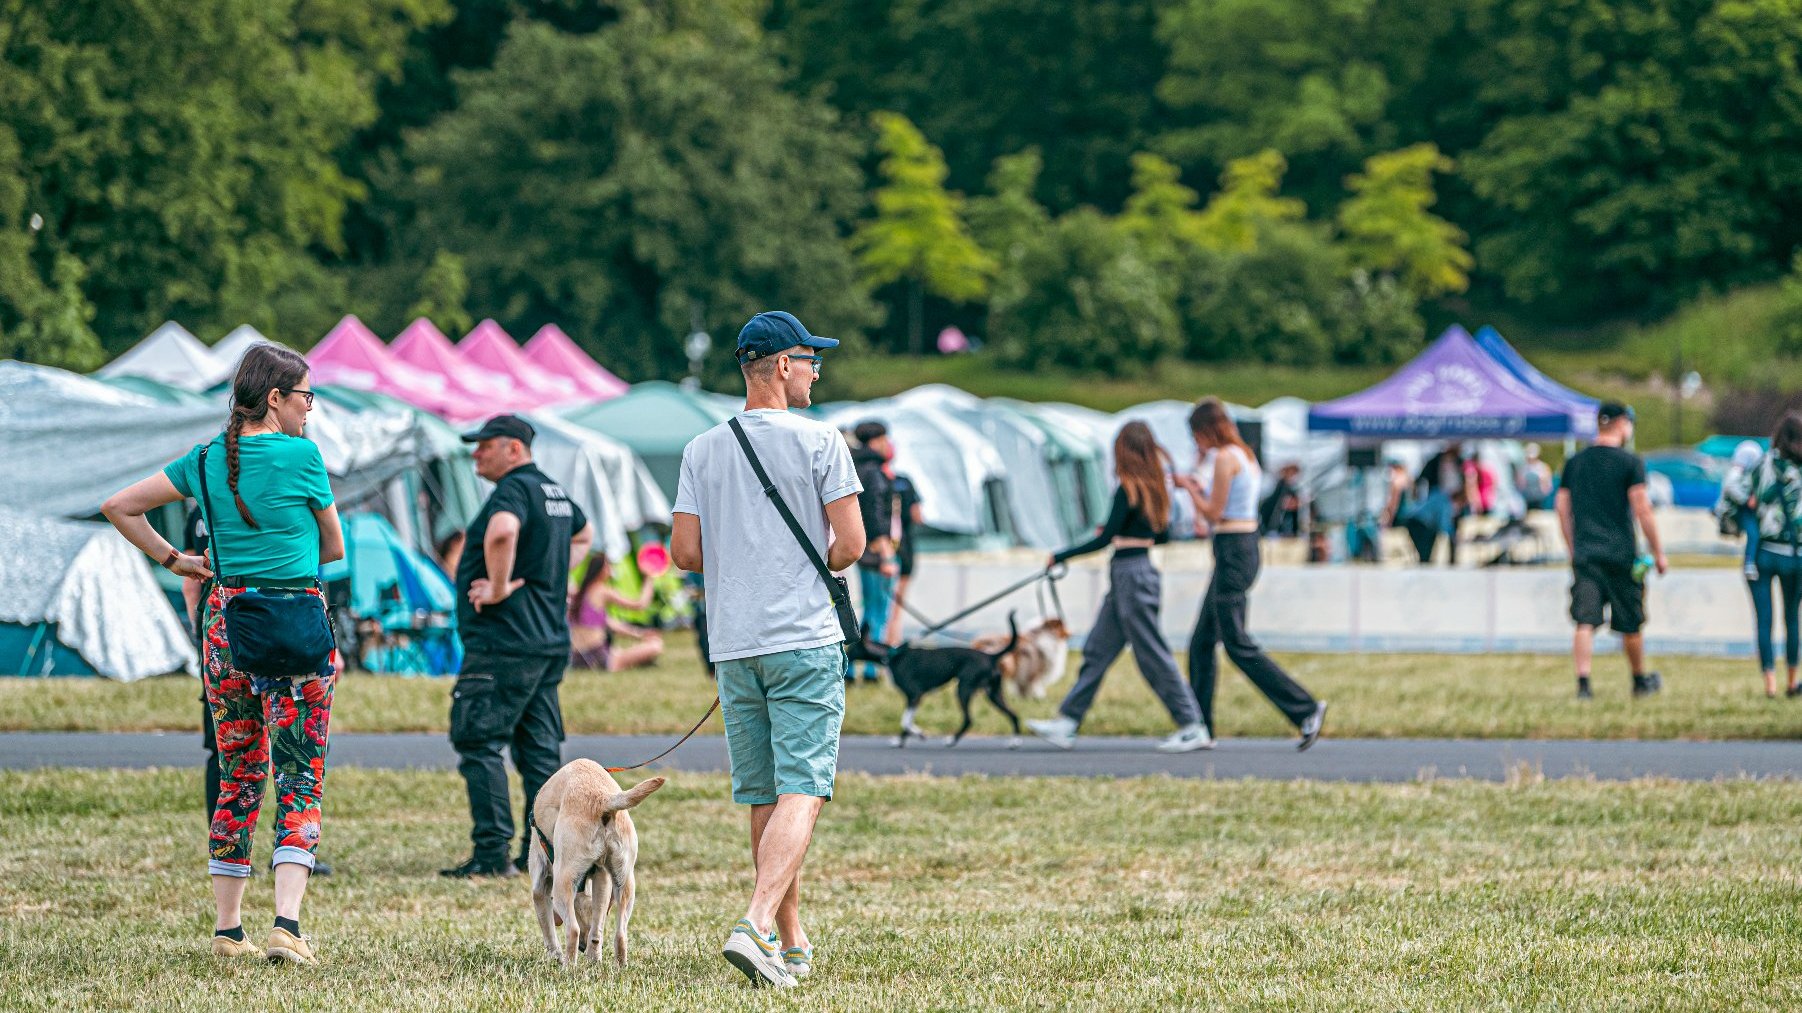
[(282, 480)]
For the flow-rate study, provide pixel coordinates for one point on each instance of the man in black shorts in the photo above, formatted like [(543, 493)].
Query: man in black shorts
[(1602, 494)]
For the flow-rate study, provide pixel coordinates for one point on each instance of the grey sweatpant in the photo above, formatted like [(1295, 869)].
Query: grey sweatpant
[(1129, 615)]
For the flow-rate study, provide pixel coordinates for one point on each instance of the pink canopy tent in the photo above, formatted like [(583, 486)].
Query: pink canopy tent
[(352, 356), (553, 350), (492, 349), (423, 345)]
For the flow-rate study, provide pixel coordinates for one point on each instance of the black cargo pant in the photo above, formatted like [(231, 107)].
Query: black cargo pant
[(1222, 621), (505, 703)]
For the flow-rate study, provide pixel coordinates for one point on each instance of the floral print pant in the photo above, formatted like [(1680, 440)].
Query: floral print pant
[(287, 725)]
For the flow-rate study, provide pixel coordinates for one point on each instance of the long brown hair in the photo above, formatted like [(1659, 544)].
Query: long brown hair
[(598, 570), (1140, 463), (1211, 419), (263, 368)]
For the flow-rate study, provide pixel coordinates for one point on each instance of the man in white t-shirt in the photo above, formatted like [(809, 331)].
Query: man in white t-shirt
[(772, 633)]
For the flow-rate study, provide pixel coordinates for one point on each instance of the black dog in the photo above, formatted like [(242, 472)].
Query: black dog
[(918, 671)]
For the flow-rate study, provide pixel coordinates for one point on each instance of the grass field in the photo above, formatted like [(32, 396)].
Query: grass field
[(1379, 695), (1141, 894)]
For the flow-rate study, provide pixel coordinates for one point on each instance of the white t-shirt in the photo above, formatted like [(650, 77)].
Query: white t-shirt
[(763, 596)]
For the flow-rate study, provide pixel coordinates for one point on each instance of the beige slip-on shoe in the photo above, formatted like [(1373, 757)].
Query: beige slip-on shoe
[(286, 947), (226, 946)]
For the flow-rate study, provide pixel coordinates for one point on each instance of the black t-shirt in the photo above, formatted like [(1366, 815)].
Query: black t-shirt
[(1123, 521), (534, 619), (1598, 479)]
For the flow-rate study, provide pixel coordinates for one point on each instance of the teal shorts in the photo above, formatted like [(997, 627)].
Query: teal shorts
[(783, 714)]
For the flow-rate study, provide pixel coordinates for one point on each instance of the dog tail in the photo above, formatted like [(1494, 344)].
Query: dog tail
[(1013, 639), (636, 794)]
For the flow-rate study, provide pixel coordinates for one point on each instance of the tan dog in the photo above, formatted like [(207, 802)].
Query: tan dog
[(1038, 662), (584, 848)]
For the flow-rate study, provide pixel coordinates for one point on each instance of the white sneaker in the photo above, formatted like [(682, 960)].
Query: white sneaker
[(1187, 739), (798, 960), (1060, 731), (755, 954)]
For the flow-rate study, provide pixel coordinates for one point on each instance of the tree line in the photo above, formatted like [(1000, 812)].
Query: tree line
[(1095, 185)]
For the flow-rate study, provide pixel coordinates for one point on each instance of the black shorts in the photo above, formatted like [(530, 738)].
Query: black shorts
[(1604, 591)]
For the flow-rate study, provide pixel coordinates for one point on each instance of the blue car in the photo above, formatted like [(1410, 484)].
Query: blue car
[(1695, 477)]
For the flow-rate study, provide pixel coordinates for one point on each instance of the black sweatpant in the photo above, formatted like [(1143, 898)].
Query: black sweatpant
[(505, 703), (1222, 622)]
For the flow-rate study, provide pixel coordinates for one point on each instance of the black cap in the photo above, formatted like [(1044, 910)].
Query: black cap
[(503, 425), (1611, 410)]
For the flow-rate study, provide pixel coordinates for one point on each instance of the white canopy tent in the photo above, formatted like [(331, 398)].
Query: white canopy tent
[(603, 476), (87, 586), (960, 476), (241, 339), (171, 355)]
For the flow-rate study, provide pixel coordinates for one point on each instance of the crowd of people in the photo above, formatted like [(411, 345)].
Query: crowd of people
[(770, 507)]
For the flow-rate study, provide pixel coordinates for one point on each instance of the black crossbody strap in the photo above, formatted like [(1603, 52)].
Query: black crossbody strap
[(206, 514), (770, 490)]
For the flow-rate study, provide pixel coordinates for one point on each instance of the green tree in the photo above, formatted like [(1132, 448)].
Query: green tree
[(1008, 216), (615, 181), (1160, 214), (1246, 206), (1083, 296), (918, 236), (1388, 228), (444, 295), (182, 156)]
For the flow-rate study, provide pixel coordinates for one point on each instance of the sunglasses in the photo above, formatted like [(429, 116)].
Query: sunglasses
[(302, 391), (816, 360)]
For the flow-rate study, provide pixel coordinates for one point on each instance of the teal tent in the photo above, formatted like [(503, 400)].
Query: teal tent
[(656, 420)]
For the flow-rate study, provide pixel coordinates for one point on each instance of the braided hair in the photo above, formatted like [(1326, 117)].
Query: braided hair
[(263, 368)]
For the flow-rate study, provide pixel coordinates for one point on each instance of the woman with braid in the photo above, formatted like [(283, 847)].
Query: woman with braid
[(272, 523)]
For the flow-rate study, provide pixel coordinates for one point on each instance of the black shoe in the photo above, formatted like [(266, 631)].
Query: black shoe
[(477, 869), (522, 861), (1793, 690), (320, 868), (1646, 685), (1583, 692)]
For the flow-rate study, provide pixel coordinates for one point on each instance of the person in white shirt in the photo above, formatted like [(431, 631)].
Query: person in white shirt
[(773, 634)]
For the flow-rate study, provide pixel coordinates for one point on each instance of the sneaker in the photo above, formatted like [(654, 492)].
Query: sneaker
[(226, 946), (1310, 727), (1583, 692), (1793, 690), (523, 861), (321, 868), (755, 954), (477, 869), (286, 947), (1187, 740), (1646, 685), (798, 960), (1060, 731)]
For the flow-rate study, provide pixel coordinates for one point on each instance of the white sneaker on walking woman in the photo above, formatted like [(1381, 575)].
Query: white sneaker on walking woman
[(1060, 731), (1187, 739)]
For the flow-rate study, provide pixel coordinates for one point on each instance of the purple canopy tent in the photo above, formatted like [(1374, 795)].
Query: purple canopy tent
[(1452, 391), (1583, 407)]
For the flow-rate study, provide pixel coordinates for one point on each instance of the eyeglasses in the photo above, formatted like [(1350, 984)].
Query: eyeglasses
[(303, 392), (816, 360)]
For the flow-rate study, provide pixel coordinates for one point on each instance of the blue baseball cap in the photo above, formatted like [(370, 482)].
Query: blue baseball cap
[(774, 331)]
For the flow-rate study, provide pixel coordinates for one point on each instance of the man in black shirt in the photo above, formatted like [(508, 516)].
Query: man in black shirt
[(513, 615), (878, 568), (1601, 495)]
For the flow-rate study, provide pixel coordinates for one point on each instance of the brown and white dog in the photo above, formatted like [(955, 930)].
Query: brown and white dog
[(1038, 662), (584, 849)]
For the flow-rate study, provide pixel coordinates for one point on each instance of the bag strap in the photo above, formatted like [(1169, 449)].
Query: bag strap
[(770, 490), (206, 513)]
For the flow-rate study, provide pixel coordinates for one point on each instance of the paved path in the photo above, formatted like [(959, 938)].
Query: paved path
[(1331, 760)]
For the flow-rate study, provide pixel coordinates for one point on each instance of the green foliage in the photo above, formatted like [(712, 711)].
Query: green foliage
[(1786, 317), (615, 182), (1389, 230), (1638, 150), (1007, 218), (182, 155), (444, 295), (1083, 296), (1247, 206), (918, 234)]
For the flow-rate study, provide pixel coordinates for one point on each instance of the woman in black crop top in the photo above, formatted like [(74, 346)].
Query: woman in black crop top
[(1139, 519)]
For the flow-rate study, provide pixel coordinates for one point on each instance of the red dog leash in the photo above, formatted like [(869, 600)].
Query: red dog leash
[(685, 738)]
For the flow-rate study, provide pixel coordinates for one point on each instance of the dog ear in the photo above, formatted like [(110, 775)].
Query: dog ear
[(634, 795)]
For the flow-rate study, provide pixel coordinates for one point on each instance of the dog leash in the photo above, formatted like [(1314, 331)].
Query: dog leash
[(685, 738), (1051, 574)]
